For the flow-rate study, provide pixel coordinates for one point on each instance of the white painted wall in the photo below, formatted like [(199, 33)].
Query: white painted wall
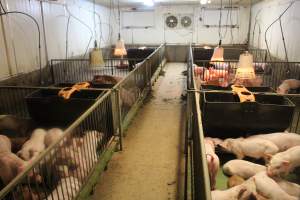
[(199, 34), (264, 14), (22, 36)]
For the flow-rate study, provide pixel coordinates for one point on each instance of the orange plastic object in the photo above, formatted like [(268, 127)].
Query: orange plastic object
[(81, 85), (68, 91), (244, 94)]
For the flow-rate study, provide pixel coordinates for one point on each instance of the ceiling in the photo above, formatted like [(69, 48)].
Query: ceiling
[(139, 3)]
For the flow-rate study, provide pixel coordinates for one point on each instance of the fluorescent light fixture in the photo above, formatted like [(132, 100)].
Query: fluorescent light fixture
[(148, 2)]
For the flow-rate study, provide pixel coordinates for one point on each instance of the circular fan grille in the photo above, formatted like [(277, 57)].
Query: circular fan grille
[(186, 21), (171, 21)]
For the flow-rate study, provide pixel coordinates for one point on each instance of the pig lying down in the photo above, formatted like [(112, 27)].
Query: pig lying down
[(10, 164), (242, 168), (240, 192), (213, 162), (292, 189), (268, 188), (66, 188), (34, 146), (234, 181), (284, 162), (283, 140), (252, 147), (287, 85), (15, 124)]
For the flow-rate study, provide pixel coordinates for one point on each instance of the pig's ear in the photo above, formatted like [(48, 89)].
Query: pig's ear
[(241, 192), (268, 157), (286, 163)]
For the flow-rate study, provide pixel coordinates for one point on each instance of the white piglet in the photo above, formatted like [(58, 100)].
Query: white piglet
[(292, 189), (240, 192), (268, 188), (35, 145), (283, 140), (242, 168), (213, 162), (285, 162), (287, 85), (52, 136), (66, 189), (252, 147)]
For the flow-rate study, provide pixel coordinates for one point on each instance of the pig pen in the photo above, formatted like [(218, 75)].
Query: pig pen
[(57, 176), (65, 166), (271, 75)]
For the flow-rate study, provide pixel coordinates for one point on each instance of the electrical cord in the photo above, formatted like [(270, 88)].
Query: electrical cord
[(220, 21), (283, 39), (39, 35), (266, 41), (87, 48)]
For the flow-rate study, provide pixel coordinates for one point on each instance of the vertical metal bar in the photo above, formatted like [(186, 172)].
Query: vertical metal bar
[(118, 107)]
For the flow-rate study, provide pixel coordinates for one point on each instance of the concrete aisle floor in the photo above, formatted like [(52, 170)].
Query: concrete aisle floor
[(149, 167)]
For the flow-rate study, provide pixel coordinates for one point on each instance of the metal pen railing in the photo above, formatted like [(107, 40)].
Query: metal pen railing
[(137, 83), (61, 170), (64, 167), (197, 177)]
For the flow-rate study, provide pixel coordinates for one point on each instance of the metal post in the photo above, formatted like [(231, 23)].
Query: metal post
[(118, 109)]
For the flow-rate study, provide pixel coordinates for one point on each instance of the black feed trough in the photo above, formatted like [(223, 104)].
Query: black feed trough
[(251, 89), (48, 109), (224, 116)]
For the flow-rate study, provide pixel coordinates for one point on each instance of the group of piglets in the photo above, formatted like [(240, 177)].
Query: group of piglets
[(222, 77), (281, 154), (64, 167)]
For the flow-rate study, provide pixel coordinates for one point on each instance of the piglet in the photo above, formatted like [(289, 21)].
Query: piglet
[(292, 189), (18, 125), (234, 181), (10, 164), (242, 168), (240, 192), (268, 188), (34, 145), (284, 162), (213, 162), (282, 140), (287, 85), (52, 136), (65, 189), (252, 147)]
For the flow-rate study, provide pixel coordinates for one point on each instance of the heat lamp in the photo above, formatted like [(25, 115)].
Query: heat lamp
[(218, 54), (96, 57), (245, 68), (120, 51)]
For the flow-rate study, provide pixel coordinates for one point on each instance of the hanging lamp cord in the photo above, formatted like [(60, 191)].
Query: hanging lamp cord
[(94, 7), (220, 22), (119, 18)]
